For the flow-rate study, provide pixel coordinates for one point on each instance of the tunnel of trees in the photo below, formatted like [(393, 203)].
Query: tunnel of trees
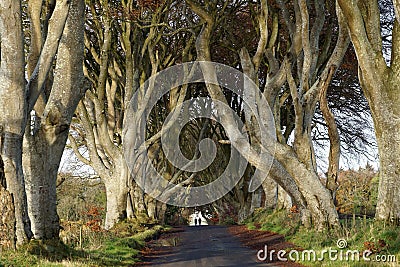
[(328, 71)]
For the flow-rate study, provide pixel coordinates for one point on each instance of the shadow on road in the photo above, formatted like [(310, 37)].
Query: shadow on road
[(203, 246)]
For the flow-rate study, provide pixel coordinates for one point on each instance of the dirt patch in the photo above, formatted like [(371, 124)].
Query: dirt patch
[(257, 240)]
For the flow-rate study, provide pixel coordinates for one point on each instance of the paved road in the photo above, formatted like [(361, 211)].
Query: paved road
[(208, 246)]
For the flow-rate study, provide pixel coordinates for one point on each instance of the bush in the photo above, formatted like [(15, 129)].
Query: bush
[(76, 196), (358, 191)]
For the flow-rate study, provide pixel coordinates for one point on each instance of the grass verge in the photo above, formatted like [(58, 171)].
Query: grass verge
[(119, 247), (342, 246)]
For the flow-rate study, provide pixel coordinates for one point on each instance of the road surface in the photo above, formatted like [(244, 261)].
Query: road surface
[(207, 246)]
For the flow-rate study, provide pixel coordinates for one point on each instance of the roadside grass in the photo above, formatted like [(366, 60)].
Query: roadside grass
[(357, 234), (118, 247)]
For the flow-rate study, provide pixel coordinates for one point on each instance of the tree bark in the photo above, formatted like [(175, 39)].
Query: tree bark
[(334, 140), (41, 162), (270, 188), (7, 222), (45, 143), (380, 84), (284, 201), (13, 112), (388, 205), (116, 193)]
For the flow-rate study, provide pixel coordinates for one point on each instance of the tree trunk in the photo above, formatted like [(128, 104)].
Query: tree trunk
[(388, 206), (161, 210), (45, 141), (382, 93), (245, 209), (41, 163), (151, 207), (386, 116), (139, 200), (116, 192), (380, 84), (256, 199), (12, 158), (116, 195), (384, 101), (130, 206), (317, 198), (7, 211), (13, 111), (334, 143), (270, 188), (284, 201)]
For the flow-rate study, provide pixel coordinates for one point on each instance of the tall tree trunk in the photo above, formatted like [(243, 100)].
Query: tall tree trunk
[(7, 225), (245, 208), (138, 196), (386, 113), (7, 211), (12, 158), (161, 210), (151, 207), (388, 205), (41, 163), (45, 142), (256, 199), (334, 141), (380, 84), (317, 198), (13, 111)]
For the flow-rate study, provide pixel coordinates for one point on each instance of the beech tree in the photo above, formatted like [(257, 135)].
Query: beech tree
[(35, 114), (307, 75), (13, 113), (290, 49), (125, 43), (381, 85), (294, 65)]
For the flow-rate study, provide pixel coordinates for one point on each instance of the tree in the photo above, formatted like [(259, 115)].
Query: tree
[(13, 113), (294, 167), (287, 48), (380, 83), (97, 124), (35, 124), (126, 42)]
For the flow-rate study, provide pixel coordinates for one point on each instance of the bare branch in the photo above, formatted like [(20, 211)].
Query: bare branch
[(305, 36), (200, 11), (75, 148), (334, 138), (262, 42), (35, 84)]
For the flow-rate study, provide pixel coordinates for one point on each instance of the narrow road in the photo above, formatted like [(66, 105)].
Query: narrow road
[(208, 246)]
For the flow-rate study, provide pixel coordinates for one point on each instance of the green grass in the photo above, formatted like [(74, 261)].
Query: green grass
[(359, 234), (115, 250)]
